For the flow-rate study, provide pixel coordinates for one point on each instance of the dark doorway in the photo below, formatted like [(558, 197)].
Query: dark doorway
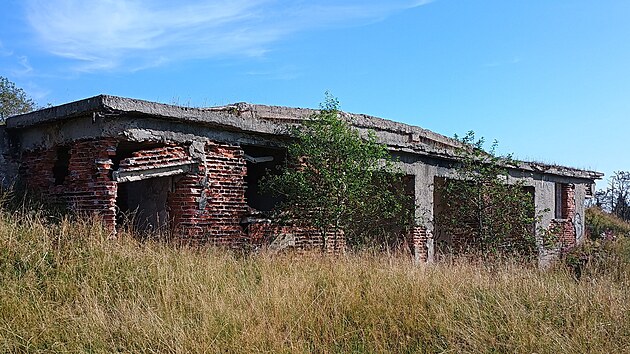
[(143, 204)]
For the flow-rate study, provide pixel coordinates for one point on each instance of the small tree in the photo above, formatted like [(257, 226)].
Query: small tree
[(335, 179), (13, 100), (615, 199), (481, 212)]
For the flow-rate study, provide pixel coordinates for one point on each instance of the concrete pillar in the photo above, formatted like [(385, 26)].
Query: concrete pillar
[(425, 175)]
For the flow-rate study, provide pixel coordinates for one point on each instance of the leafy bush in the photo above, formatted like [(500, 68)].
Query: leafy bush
[(599, 258), (482, 212), (604, 225), (336, 180)]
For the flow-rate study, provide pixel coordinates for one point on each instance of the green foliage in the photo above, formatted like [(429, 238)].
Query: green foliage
[(595, 258), (13, 100), (481, 212), (335, 179), (600, 223)]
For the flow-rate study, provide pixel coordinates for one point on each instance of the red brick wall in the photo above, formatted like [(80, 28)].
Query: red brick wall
[(205, 207), (88, 188), (417, 242), (568, 201), (208, 206), (565, 226), (154, 158), (36, 170), (295, 237)]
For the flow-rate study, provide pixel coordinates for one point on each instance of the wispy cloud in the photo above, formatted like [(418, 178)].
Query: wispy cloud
[(15, 65), (132, 35), (25, 66), (38, 93), (497, 63)]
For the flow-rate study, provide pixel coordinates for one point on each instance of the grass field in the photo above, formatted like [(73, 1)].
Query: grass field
[(65, 287)]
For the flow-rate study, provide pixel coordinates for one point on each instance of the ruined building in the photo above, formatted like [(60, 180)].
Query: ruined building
[(195, 171)]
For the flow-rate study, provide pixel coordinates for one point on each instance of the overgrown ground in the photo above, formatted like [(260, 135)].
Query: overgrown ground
[(64, 287)]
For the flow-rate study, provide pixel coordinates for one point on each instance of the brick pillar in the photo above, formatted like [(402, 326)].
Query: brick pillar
[(568, 201), (89, 187), (418, 241), (568, 237), (207, 206)]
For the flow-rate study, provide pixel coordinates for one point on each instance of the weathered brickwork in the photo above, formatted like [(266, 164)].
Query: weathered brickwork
[(36, 169), (87, 188), (160, 157), (274, 236), (417, 241), (208, 206), (566, 226)]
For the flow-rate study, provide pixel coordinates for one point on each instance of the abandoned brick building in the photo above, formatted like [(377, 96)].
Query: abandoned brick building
[(194, 171)]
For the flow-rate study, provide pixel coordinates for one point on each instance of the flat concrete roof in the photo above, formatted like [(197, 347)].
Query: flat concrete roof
[(267, 120), (229, 115)]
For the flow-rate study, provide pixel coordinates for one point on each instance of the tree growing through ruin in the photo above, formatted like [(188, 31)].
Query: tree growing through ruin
[(13, 100), (339, 181), (481, 212)]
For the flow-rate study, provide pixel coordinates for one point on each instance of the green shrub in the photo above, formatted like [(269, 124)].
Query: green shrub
[(480, 212), (601, 224)]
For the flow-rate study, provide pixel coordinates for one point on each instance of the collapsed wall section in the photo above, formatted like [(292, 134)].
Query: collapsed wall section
[(154, 161), (145, 177), (274, 236)]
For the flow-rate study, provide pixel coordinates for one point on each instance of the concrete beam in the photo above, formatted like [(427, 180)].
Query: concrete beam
[(138, 175)]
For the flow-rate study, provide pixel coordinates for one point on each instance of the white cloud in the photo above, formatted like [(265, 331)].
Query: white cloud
[(497, 63), (135, 34), (26, 67)]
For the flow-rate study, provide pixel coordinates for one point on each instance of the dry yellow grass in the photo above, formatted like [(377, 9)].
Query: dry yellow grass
[(65, 287)]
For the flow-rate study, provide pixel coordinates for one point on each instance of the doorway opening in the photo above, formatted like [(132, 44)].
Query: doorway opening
[(143, 205)]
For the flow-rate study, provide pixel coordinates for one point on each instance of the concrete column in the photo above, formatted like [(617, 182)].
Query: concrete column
[(425, 175)]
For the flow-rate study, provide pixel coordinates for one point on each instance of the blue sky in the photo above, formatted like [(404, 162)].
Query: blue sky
[(549, 79)]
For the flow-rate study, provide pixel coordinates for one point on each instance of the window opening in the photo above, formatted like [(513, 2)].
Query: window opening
[(561, 201), (61, 168), (260, 160)]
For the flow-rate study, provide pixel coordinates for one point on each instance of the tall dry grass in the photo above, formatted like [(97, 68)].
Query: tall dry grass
[(66, 287)]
